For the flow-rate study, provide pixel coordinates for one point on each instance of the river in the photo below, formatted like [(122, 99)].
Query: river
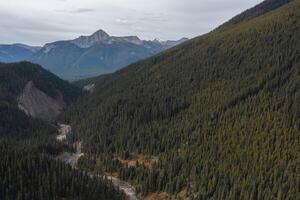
[(72, 159)]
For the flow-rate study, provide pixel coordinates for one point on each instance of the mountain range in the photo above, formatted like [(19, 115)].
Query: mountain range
[(16, 52), (217, 117), (87, 56), (214, 118)]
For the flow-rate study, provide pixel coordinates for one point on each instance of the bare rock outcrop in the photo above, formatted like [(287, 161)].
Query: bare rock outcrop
[(37, 104), (90, 88)]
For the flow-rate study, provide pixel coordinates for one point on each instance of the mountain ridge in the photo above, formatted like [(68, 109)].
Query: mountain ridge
[(86, 56), (101, 36), (256, 11), (16, 52), (98, 53), (31, 99), (220, 112), (88, 41)]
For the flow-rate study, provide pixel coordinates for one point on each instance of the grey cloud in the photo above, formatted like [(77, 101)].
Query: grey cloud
[(31, 31), (199, 7), (77, 11), (66, 19), (83, 10), (123, 21)]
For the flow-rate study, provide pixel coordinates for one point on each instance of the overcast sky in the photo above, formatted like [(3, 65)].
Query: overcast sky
[(37, 22)]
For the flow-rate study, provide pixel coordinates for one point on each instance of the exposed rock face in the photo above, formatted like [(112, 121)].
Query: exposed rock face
[(89, 88), (102, 37), (88, 41), (37, 104)]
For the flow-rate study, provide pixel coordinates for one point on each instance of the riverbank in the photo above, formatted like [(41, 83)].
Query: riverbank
[(72, 159)]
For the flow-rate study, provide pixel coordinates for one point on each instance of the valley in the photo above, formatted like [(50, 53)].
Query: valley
[(220, 111), (31, 99), (72, 159), (213, 117)]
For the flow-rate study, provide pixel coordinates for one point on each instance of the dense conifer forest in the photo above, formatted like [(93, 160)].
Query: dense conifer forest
[(220, 113), (29, 169), (28, 175), (217, 117)]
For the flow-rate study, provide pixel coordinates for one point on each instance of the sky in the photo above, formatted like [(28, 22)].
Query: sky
[(36, 22)]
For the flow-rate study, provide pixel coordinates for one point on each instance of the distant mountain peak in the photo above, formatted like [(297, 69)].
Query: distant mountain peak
[(157, 40), (88, 41), (100, 35), (169, 43), (96, 54), (100, 31), (184, 39)]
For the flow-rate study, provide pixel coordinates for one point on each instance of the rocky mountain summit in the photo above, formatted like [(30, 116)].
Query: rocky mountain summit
[(96, 54)]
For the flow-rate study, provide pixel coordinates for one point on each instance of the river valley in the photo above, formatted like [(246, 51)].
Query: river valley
[(72, 159)]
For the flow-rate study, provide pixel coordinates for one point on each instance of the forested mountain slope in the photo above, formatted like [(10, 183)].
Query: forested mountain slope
[(221, 113), (28, 175), (28, 147), (256, 11), (29, 95)]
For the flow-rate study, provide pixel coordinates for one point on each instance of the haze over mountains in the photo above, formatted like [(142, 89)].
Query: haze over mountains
[(87, 56), (217, 117), (16, 52)]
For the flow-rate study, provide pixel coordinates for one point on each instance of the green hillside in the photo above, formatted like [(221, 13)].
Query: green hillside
[(28, 147), (256, 11), (13, 78), (27, 175), (221, 112)]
